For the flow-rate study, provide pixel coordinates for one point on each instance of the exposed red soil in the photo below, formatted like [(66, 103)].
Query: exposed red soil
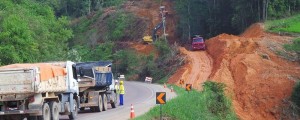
[(149, 11), (197, 69), (257, 79), (143, 49)]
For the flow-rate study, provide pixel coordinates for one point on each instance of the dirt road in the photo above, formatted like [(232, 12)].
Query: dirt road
[(196, 71)]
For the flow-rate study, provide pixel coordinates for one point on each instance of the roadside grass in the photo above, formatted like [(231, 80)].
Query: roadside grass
[(210, 104), (289, 25)]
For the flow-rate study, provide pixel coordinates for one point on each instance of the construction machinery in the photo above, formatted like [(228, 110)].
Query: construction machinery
[(150, 39)]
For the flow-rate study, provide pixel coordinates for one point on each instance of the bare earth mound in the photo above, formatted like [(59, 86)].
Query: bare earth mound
[(197, 69), (258, 80)]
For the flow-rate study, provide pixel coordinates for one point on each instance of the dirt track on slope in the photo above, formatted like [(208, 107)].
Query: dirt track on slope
[(196, 71), (258, 81)]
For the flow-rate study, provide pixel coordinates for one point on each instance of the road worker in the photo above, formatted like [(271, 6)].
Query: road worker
[(122, 92), (117, 86)]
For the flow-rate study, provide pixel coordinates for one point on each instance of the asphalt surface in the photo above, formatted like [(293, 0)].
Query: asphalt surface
[(141, 95)]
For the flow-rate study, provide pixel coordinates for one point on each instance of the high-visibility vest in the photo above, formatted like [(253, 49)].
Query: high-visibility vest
[(122, 89)]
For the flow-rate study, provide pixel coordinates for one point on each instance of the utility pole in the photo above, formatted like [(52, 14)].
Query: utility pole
[(163, 17)]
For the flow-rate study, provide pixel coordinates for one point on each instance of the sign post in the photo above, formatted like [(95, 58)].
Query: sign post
[(181, 82), (161, 99), (188, 87)]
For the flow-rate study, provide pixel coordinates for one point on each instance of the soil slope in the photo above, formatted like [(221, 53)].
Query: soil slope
[(258, 81), (196, 71)]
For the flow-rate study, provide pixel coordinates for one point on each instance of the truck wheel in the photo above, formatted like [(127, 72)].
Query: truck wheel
[(54, 110), (99, 108), (92, 109), (115, 100), (46, 112), (82, 108), (73, 114), (32, 118), (104, 102)]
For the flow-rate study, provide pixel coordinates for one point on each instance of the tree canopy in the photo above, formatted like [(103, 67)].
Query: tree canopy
[(30, 32), (212, 17)]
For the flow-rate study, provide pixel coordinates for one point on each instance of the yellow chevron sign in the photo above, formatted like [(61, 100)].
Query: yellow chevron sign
[(160, 97), (188, 87)]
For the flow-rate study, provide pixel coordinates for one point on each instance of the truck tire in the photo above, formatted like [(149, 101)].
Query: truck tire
[(115, 100), (32, 118), (73, 114), (82, 108), (99, 108), (46, 112), (92, 109), (54, 110), (104, 97)]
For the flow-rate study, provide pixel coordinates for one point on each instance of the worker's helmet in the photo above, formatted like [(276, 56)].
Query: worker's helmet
[(116, 81)]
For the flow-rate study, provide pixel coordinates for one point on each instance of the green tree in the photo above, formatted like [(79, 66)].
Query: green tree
[(30, 32)]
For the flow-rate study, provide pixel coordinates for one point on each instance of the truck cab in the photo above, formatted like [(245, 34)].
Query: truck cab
[(198, 43)]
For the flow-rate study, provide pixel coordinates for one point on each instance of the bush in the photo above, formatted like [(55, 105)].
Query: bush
[(295, 98), (218, 106), (163, 48), (195, 105), (127, 62), (289, 25), (85, 53), (295, 46), (118, 23)]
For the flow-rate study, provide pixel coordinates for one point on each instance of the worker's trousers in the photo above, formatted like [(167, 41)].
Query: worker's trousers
[(121, 99)]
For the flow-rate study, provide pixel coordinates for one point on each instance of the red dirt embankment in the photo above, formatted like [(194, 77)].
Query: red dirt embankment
[(196, 71), (258, 81)]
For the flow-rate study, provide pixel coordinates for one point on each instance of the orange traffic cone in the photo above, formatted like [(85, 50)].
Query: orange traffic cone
[(132, 115), (165, 86), (172, 89)]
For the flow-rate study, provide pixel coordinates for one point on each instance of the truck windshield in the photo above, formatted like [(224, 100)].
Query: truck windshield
[(198, 40)]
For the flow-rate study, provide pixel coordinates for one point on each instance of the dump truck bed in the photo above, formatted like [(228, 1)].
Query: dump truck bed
[(19, 81)]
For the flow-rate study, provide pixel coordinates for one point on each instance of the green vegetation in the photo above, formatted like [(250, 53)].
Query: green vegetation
[(212, 17), (118, 25), (127, 62), (295, 46), (99, 52), (131, 63), (289, 25), (30, 32), (78, 8), (210, 104), (296, 95)]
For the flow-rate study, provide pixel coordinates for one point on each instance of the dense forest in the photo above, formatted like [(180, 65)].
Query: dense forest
[(41, 30), (212, 17), (30, 32)]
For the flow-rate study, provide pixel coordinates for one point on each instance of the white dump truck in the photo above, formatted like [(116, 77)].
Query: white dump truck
[(39, 91)]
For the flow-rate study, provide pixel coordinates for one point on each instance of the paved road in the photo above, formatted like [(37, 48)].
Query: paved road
[(141, 95)]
